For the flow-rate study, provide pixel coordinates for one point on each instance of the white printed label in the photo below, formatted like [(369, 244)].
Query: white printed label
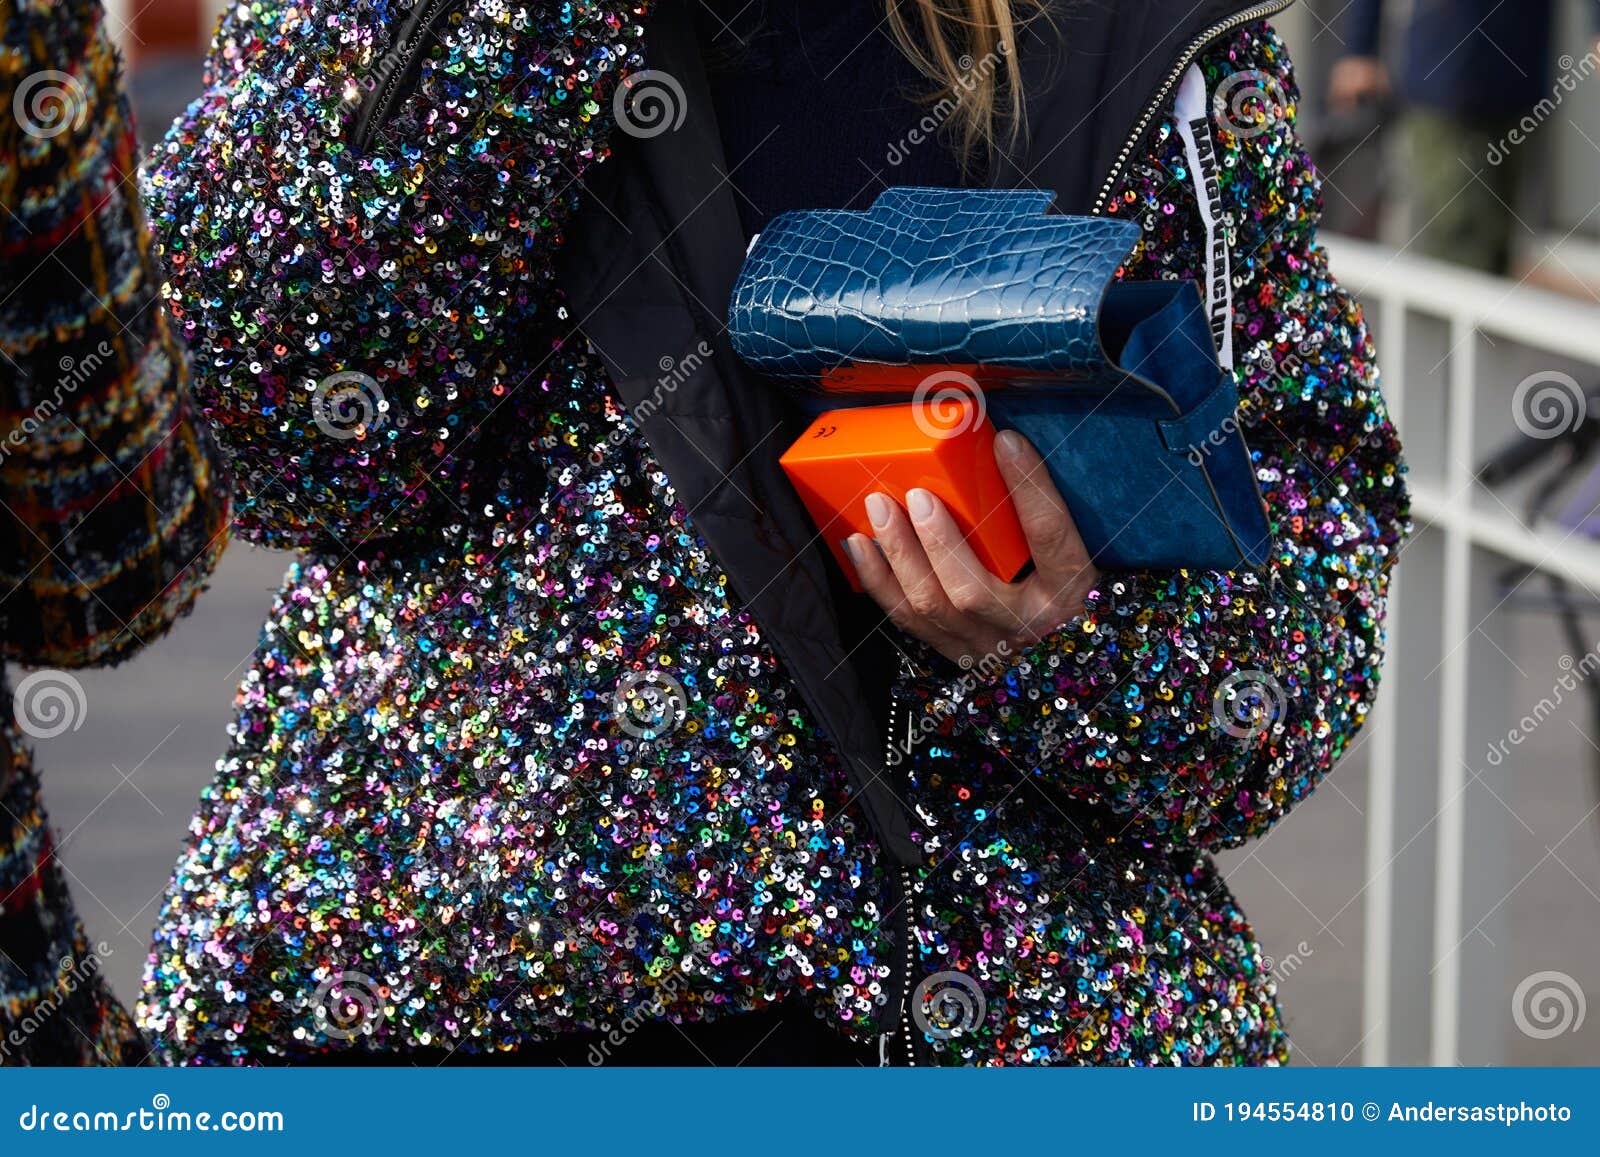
[(1194, 126)]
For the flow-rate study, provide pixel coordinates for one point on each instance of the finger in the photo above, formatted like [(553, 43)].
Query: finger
[(878, 580), (1058, 550), (969, 585), (924, 593)]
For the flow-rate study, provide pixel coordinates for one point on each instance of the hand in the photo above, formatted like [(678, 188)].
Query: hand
[(931, 584), (1356, 78)]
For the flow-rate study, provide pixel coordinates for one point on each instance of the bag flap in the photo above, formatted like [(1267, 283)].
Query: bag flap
[(929, 276)]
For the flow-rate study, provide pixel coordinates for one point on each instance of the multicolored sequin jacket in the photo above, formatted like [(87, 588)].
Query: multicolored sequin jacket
[(510, 761), (111, 520)]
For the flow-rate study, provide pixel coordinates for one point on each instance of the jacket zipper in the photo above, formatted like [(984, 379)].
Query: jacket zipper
[(908, 919), (1156, 102), (398, 69), (1159, 98)]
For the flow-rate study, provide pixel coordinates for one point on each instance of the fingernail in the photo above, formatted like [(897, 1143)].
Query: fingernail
[(852, 550), (919, 503), (877, 511), (1009, 443)]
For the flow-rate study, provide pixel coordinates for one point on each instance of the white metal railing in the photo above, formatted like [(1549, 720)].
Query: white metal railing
[(1452, 345)]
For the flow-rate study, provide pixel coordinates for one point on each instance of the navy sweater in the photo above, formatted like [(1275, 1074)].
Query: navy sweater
[(794, 81), (1478, 59)]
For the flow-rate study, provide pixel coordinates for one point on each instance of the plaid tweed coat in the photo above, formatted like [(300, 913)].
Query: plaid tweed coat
[(111, 515)]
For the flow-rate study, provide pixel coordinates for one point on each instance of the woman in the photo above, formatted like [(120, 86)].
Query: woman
[(112, 517), (563, 740)]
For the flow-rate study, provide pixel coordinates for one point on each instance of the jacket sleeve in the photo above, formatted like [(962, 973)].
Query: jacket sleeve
[(1202, 705), (364, 309), (112, 516)]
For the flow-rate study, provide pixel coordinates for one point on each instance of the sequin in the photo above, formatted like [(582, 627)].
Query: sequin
[(509, 759)]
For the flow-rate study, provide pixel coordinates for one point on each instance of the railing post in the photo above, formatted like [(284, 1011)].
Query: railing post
[(1382, 767), (1456, 608)]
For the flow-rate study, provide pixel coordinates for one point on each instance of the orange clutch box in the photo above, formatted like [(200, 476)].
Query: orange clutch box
[(944, 446)]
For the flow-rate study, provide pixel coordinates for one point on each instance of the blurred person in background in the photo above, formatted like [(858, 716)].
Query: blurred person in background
[(1472, 71), (110, 517)]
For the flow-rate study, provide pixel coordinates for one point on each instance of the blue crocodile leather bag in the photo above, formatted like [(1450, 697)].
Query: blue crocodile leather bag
[(1116, 383)]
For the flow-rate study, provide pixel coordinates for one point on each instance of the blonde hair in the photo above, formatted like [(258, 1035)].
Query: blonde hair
[(968, 48)]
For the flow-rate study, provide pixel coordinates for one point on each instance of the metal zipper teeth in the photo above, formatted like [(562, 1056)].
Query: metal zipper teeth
[(906, 1023), (888, 759), (1191, 50), (908, 926), (411, 38)]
